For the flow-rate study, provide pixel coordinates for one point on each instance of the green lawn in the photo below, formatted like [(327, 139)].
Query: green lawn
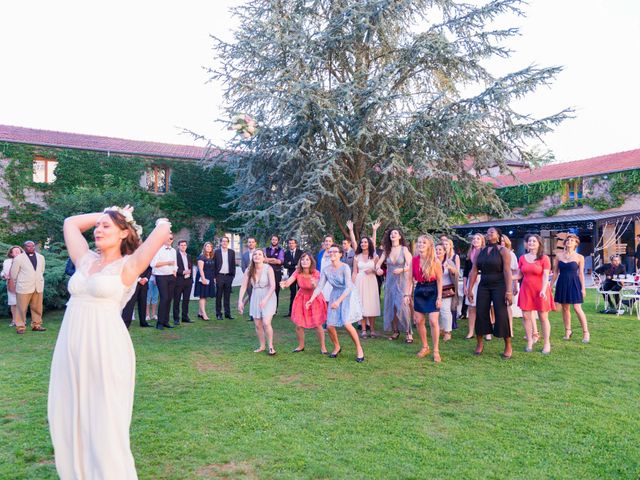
[(208, 407)]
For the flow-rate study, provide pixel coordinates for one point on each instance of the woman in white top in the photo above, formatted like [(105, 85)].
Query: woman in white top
[(477, 244), (262, 306), (6, 275), (514, 311), (449, 279)]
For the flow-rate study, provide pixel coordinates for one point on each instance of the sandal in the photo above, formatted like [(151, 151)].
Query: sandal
[(447, 337), (373, 335), (436, 357), (395, 336), (258, 350), (567, 335), (536, 337), (424, 351), (363, 334), (38, 329), (409, 338), (20, 330), (272, 351)]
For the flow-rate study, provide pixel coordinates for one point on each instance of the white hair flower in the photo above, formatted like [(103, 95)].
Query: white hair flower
[(128, 216)]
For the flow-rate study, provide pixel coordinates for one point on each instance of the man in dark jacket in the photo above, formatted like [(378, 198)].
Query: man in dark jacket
[(291, 259), (609, 270), (140, 297), (225, 271), (184, 282)]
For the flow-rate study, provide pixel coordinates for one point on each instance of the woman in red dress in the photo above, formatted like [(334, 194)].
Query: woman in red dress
[(307, 277), (535, 291)]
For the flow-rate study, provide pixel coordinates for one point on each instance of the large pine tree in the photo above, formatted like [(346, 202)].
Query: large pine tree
[(364, 111)]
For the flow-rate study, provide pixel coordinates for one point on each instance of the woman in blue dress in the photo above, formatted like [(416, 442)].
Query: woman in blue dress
[(568, 276), (205, 286), (344, 303)]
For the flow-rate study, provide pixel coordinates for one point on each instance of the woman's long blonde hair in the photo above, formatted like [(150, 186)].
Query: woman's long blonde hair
[(428, 263), (204, 250), (473, 252)]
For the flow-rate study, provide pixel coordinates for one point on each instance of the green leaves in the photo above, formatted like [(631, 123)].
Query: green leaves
[(362, 112)]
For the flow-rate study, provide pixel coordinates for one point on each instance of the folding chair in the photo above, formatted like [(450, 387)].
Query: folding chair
[(630, 299)]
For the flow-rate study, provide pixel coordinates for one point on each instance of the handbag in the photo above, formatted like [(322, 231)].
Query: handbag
[(448, 291)]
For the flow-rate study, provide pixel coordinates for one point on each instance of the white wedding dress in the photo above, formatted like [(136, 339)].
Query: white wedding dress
[(93, 378)]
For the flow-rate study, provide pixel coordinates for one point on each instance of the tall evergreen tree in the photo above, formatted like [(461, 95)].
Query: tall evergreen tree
[(363, 111)]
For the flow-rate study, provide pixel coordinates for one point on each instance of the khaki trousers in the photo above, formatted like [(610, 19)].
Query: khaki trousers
[(34, 302)]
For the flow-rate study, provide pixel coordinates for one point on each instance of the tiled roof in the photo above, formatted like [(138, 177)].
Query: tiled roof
[(583, 217), (50, 138), (614, 162)]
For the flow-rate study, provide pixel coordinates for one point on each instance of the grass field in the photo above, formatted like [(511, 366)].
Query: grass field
[(207, 407)]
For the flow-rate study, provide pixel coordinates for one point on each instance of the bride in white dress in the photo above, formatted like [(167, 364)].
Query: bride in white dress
[(93, 367)]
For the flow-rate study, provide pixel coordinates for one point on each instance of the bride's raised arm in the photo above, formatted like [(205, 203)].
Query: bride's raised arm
[(141, 258)]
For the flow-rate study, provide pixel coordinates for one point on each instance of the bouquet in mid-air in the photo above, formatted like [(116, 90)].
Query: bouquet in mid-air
[(244, 125)]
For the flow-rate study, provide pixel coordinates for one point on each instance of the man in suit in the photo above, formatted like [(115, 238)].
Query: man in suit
[(164, 267), (139, 297), (291, 258), (274, 256), (609, 270), (27, 273), (184, 282), (225, 270), (244, 264), (348, 253)]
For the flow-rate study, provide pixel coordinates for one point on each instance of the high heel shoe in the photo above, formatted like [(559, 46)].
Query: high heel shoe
[(298, 350), (360, 359), (334, 355), (200, 316), (586, 338), (567, 335)]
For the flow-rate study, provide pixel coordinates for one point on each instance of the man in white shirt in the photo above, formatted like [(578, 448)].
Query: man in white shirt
[(164, 268), (225, 269)]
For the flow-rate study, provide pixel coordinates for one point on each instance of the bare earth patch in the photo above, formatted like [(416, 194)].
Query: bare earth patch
[(208, 363), (227, 470)]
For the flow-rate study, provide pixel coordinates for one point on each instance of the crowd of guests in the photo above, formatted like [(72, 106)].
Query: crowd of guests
[(341, 286)]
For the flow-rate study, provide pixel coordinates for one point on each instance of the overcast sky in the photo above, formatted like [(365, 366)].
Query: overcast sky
[(135, 69)]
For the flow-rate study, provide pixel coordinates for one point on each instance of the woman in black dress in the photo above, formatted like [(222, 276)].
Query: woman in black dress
[(494, 263), (205, 286)]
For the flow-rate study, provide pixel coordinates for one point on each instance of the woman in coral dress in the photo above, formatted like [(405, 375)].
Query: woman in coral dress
[(93, 367), (535, 291), (313, 317)]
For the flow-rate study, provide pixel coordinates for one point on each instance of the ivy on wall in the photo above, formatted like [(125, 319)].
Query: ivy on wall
[(88, 181), (528, 197)]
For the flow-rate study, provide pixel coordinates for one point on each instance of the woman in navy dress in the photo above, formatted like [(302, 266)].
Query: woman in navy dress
[(205, 286), (568, 276), (494, 263)]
